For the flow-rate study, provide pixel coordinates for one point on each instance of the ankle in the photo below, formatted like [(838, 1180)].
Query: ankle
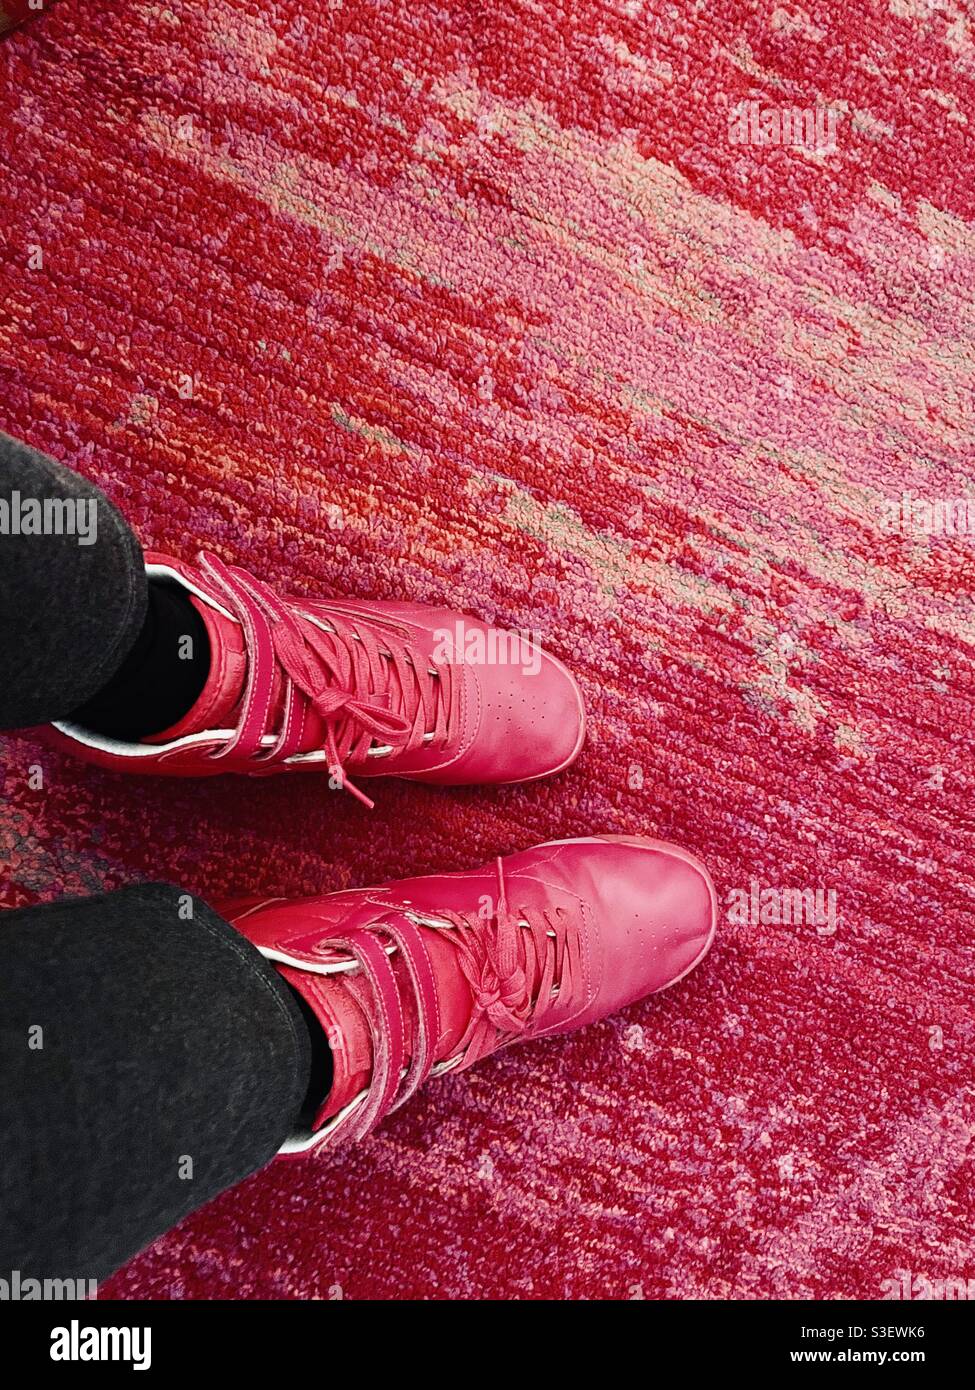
[(163, 675), (322, 1067)]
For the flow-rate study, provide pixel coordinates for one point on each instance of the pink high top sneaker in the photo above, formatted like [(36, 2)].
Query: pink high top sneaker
[(431, 974), (355, 689)]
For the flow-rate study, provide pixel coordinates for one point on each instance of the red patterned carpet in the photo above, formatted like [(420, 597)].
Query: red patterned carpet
[(515, 307)]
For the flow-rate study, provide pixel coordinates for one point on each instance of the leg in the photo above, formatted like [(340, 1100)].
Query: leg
[(149, 1058), (87, 635), (71, 607)]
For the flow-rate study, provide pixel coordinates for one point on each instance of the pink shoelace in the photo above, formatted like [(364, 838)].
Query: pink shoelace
[(363, 677), (523, 968)]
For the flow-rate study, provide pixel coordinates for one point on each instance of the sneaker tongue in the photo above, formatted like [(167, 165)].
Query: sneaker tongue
[(334, 1001), (344, 1023), (219, 702)]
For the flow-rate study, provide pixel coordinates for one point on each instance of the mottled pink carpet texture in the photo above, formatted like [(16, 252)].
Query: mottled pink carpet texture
[(648, 328)]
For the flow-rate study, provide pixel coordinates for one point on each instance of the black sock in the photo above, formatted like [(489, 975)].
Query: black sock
[(322, 1067), (162, 677)]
